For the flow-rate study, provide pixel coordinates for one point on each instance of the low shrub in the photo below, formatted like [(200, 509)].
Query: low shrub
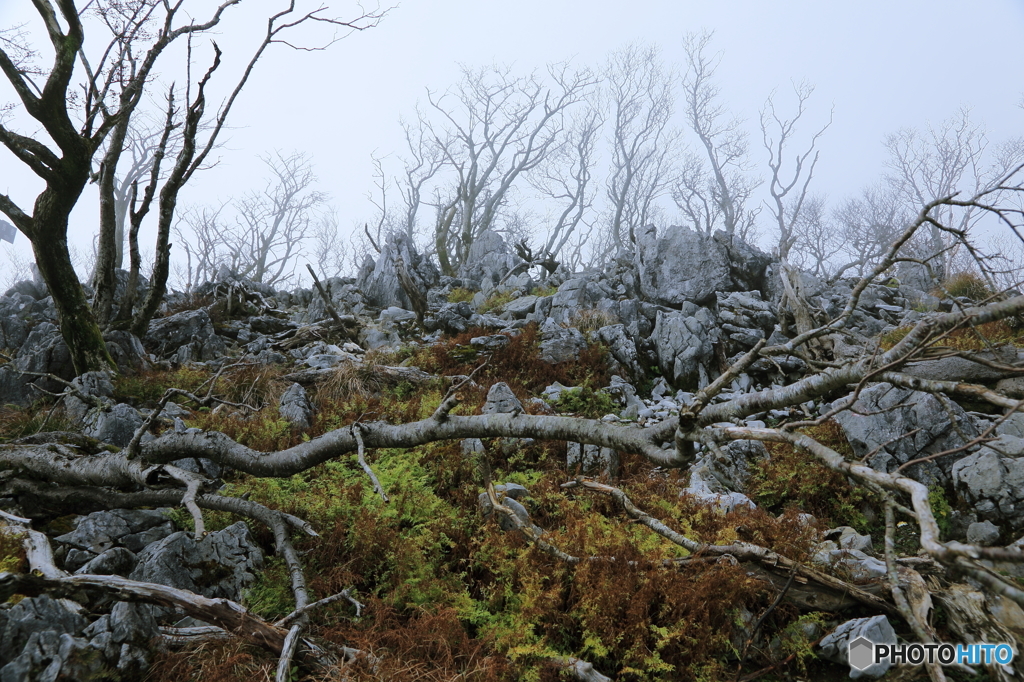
[(585, 402), (966, 284)]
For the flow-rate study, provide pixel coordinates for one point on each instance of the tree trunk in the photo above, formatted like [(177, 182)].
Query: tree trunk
[(77, 323), (78, 326)]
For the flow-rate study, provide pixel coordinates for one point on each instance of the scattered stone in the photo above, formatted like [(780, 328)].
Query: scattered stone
[(501, 400), (836, 645), (984, 533), (296, 408)]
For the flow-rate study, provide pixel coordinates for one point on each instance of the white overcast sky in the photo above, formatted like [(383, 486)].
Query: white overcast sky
[(882, 64)]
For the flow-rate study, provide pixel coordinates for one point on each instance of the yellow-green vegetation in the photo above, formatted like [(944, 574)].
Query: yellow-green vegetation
[(450, 596), (12, 552), (497, 301), (978, 337), (790, 478), (585, 402), (20, 422), (968, 284), (545, 291), (941, 508), (461, 295)]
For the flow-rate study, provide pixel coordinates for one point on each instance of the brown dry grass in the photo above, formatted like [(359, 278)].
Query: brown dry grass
[(229, 661)]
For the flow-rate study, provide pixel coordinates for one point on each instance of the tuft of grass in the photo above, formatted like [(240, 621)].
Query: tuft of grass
[(497, 301), (545, 291), (967, 284), (979, 337), (148, 387), (461, 295), (592, 319), (231, 660)]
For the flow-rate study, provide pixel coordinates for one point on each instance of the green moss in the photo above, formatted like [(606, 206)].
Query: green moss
[(497, 301), (461, 295), (585, 402), (941, 509)]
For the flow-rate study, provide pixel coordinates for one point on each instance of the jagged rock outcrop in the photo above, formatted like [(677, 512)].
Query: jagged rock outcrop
[(992, 481), (187, 335), (490, 260), (685, 344), (679, 264), (379, 279), (899, 425)]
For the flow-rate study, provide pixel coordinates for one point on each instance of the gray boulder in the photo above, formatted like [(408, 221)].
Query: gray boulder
[(984, 533), (95, 384), (835, 646), (501, 400), (559, 344), (681, 265), (747, 264), (220, 565), (43, 352), (490, 259), (883, 413), (127, 351), (684, 342), (622, 348), (993, 484), (101, 531), (705, 487), (115, 425), (186, 336), (592, 460), (33, 616), (296, 408)]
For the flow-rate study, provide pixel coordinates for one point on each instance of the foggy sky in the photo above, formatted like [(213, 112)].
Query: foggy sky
[(882, 65)]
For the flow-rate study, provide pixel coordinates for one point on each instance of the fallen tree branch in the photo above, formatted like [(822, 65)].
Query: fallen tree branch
[(377, 487), (744, 551)]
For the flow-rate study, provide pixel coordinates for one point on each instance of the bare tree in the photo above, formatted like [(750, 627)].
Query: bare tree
[(713, 186), (202, 241), (267, 233), (489, 130), (115, 80), (565, 179), (818, 240), (866, 226), (330, 248), (640, 97), (788, 188), (952, 158)]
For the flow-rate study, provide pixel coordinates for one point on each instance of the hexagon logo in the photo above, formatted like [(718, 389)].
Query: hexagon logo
[(861, 653)]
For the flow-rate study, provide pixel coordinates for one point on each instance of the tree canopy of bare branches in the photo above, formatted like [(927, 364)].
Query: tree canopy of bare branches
[(76, 127)]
